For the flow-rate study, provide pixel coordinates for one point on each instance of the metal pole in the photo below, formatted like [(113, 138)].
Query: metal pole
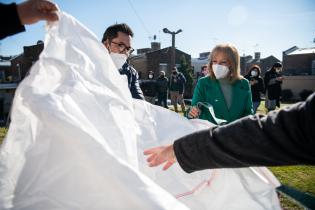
[(173, 51), (165, 30)]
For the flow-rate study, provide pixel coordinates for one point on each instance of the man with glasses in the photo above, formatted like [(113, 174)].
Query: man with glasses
[(117, 40)]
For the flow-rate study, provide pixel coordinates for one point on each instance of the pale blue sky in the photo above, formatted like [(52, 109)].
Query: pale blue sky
[(268, 26)]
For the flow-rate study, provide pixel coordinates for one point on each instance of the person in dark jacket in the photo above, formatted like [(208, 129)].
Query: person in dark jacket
[(117, 40), (148, 88), (162, 88), (177, 87), (285, 137), (273, 81), (256, 85), (14, 17)]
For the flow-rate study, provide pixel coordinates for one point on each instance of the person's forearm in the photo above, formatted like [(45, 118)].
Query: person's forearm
[(10, 22), (285, 138)]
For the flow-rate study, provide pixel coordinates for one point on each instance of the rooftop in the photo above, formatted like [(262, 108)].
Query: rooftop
[(302, 51)]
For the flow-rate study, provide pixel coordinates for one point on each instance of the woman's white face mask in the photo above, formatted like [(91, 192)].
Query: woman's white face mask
[(118, 59), (220, 71), (253, 73)]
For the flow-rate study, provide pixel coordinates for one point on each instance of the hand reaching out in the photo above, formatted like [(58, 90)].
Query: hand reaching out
[(32, 11), (160, 155)]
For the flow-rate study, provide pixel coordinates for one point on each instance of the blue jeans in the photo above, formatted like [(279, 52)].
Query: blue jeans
[(255, 105)]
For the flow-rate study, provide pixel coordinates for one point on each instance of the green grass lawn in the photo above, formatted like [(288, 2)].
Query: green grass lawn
[(299, 177)]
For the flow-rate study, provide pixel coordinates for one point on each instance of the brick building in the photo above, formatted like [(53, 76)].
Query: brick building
[(299, 68), (156, 59), (12, 71), (299, 61), (22, 63), (5, 68)]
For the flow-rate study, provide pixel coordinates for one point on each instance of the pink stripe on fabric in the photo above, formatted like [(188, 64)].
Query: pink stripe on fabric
[(199, 186)]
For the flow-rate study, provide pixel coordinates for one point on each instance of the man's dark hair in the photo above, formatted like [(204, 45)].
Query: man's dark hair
[(277, 65), (112, 31)]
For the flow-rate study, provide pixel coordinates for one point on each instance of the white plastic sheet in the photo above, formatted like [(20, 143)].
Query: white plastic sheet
[(76, 141)]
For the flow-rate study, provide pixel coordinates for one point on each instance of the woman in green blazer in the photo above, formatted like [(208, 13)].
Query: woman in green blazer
[(224, 94)]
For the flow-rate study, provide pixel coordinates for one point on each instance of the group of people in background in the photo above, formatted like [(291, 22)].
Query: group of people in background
[(270, 85), (164, 86), (280, 138), (174, 86), (220, 85)]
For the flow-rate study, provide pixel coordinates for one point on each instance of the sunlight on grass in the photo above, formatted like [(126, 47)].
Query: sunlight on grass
[(299, 177), (3, 132)]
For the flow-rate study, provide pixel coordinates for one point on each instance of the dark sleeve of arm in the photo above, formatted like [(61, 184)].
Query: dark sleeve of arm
[(184, 78), (135, 89), (261, 84), (249, 102), (266, 80), (10, 23), (286, 137)]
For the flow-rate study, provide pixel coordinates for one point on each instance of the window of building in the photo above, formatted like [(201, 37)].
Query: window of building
[(163, 67)]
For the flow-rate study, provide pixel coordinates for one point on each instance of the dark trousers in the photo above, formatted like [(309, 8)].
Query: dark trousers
[(162, 98)]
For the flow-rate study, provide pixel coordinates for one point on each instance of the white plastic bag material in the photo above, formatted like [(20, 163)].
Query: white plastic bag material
[(246, 188), (76, 141), (72, 140)]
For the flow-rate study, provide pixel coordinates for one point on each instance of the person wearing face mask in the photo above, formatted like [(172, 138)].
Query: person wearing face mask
[(148, 87), (117, 40), (151, 75), (177, 87), (162, 88), (224, 94), (256, 85), (273, 81)]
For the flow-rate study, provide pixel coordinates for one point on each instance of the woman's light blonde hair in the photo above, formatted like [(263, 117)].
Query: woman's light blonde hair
[(233, 59)]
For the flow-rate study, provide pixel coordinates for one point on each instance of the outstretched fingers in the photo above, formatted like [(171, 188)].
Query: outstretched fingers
[(160, 155)]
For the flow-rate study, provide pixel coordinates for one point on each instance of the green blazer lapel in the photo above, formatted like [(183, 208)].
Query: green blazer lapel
[(238, 98)]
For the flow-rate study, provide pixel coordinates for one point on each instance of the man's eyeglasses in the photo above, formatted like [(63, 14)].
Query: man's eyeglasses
[(123, 47)]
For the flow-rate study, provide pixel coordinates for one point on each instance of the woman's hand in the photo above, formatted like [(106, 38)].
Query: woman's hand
[(194, 112)]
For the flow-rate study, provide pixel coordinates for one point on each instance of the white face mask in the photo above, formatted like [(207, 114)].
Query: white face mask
[(118, 59), (150, 76), (253, 73), (278, 70), (220, 71)]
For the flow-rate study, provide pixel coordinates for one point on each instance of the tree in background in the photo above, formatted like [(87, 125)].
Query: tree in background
[(187, 71)]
